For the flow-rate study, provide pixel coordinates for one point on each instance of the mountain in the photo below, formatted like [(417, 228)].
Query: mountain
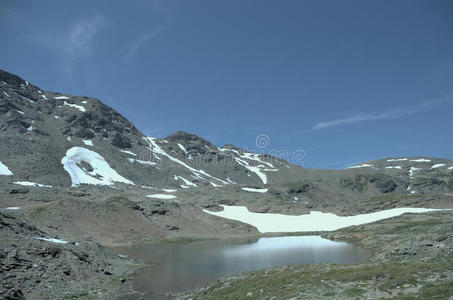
[(75, 169)]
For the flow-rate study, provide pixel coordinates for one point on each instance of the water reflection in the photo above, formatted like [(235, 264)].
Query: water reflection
[(179, 267)]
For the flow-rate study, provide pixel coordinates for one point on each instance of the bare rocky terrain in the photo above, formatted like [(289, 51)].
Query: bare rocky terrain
[(73, 169)]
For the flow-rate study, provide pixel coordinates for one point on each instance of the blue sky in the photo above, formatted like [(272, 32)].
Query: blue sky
[(344, 81)]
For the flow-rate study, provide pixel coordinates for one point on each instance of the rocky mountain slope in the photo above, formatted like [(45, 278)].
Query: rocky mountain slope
[(74, 169)]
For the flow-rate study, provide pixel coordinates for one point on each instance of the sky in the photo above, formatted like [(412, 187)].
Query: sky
[(335, 82)]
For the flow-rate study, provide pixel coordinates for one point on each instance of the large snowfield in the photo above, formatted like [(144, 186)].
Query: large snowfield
[(315, 221), (102, 173)]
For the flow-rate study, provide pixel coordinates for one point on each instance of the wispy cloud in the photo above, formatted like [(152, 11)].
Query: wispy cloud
[(386, 115), (143, 39), (74, 42)]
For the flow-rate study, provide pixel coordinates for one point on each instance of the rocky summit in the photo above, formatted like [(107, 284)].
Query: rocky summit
[(77, 178)]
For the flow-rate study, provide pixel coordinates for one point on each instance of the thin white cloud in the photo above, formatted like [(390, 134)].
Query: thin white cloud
[(386, 115), (74, 42), (143, 39)]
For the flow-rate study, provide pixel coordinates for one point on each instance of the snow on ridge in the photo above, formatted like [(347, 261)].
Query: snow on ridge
[(143, 162), (128, 152), (161, 196), (253, 190), (79, 107), (61, 98), (396, 159), (182, 148), (154, 147), (29, 183), (4, 170), (314, 221), (253, 169), (421, 160), (393, 167), (360, 166), (438, 166), (88, 142), (102, 173)]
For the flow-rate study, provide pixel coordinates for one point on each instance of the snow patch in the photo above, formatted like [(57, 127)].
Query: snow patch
[(79, 107), (102, 173), (143, 162), (29, 183), (182, 148), (169, 190), (88, 142), (438, 166), (397, 159), (420, 160), (12, 208), (393, 167), (215, 185), (52, 240), (361, 166), (315, 221), (61, 98), (186, 182), (253, 190), (4, 170), (161, 196), (128, 152)]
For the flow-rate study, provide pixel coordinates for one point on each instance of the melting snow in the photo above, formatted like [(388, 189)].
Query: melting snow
[(185, 186), (360, 166), (438, 166), (169, 190), (450, 168), (4, 170), (102, 173), (29, 183), (215, 185), (79, 107), (182, 148), (393, 167), (56, 241), (420, 160), (21, 112), (61, 98), (6, 94), (88, 142), (161, 196), (315, 221), (128, 152), (255, 190), (12, 208)]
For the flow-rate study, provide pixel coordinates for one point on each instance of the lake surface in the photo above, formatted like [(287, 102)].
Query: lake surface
[(180, 267)]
